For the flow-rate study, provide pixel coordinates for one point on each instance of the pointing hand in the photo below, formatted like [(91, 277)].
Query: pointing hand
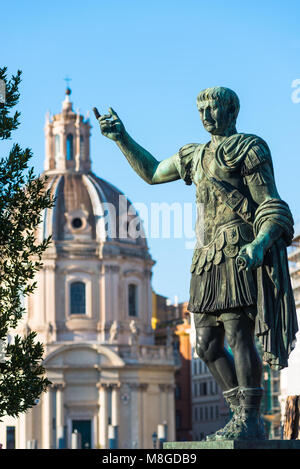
[(110, 124)]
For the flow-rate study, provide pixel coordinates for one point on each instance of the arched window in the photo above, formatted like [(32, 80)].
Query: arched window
[(69, 147), (77, 297), (57, 145), (132, 300)]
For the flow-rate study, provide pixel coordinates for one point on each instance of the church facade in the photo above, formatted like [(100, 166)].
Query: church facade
[(92, 311)]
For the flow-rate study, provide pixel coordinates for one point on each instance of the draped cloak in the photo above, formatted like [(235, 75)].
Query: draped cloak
[(276, 321)]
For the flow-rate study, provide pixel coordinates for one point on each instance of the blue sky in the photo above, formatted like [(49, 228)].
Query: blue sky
[(149, 60)]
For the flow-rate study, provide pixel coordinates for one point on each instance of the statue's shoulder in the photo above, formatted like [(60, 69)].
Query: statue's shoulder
[(246, 151), (187, 156), (189, 149), (243, 142), (257, 153)]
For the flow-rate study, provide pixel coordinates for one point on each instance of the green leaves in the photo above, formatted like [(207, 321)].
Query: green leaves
[(23, 198), (22, 381), (7, 123)]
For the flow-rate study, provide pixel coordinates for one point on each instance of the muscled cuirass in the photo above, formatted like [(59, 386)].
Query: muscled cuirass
[(221, 232), (215, 213)]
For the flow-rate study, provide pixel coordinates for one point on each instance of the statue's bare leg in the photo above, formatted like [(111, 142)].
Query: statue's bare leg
[(239, 333), (239, 376), (210, 348)]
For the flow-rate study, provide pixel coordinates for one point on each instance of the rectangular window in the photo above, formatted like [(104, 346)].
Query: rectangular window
[(70, 150), (177, 392), (10, 437), (57, 145), (275, 386), (178, 419), (132, 300), (77, 294), (203, 389)]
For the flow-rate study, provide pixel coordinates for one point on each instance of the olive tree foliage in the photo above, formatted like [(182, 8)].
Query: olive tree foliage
[(23, 198)]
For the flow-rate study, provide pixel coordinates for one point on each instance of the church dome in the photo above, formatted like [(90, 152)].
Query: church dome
[(87, 208)]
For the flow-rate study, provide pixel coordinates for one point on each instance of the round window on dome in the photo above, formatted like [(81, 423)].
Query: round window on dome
[(77, 223)]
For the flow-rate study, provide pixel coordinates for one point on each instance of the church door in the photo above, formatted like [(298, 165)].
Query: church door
[(84, 427)]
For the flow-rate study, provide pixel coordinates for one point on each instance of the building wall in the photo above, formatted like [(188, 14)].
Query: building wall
[(289, 377), (171, 323), (135, 393), (183, 402), (209, 412)]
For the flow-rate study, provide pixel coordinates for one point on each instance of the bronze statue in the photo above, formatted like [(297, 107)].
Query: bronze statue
[(240, 285)]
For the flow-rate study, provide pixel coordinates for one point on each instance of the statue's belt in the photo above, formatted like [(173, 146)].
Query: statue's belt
[(233, 199), (228, 240)]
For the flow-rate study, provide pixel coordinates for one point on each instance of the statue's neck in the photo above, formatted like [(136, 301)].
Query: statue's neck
[(217, 139)]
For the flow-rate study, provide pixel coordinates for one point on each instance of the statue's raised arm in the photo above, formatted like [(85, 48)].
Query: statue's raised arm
[(143, 163)]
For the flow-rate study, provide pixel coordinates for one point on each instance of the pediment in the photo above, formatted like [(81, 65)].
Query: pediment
[(83, 356)]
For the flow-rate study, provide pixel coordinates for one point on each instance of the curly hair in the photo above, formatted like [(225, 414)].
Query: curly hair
[(225, 96)]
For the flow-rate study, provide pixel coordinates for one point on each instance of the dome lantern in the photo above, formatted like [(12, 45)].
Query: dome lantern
[(67, 136)]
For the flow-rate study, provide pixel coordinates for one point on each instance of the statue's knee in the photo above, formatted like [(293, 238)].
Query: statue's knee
[(201, 352), (208, 351), (237, 338), (201, 348)]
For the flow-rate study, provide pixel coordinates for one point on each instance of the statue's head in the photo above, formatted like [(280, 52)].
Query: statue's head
[(218, 107)]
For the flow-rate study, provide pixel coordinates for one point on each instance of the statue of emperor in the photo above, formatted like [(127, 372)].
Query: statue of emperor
[(240, 285)]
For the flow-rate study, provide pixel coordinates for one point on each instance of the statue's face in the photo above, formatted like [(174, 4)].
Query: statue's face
[(215, 117)]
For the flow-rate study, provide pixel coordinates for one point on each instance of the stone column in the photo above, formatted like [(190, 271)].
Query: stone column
[(61, 163), (77, 142), (49, 301), (115, 301), (171, 412), (87, 146), (137, 416), (142, 415), (115, 404), (101, 301), (112, 279), (46, 419), (164, 404), (148, 297), (49, 150), (59, 413), (103, 414), (134, 395), (110, 309)]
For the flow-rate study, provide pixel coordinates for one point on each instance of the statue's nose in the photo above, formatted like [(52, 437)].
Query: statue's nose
[(206, 114)]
